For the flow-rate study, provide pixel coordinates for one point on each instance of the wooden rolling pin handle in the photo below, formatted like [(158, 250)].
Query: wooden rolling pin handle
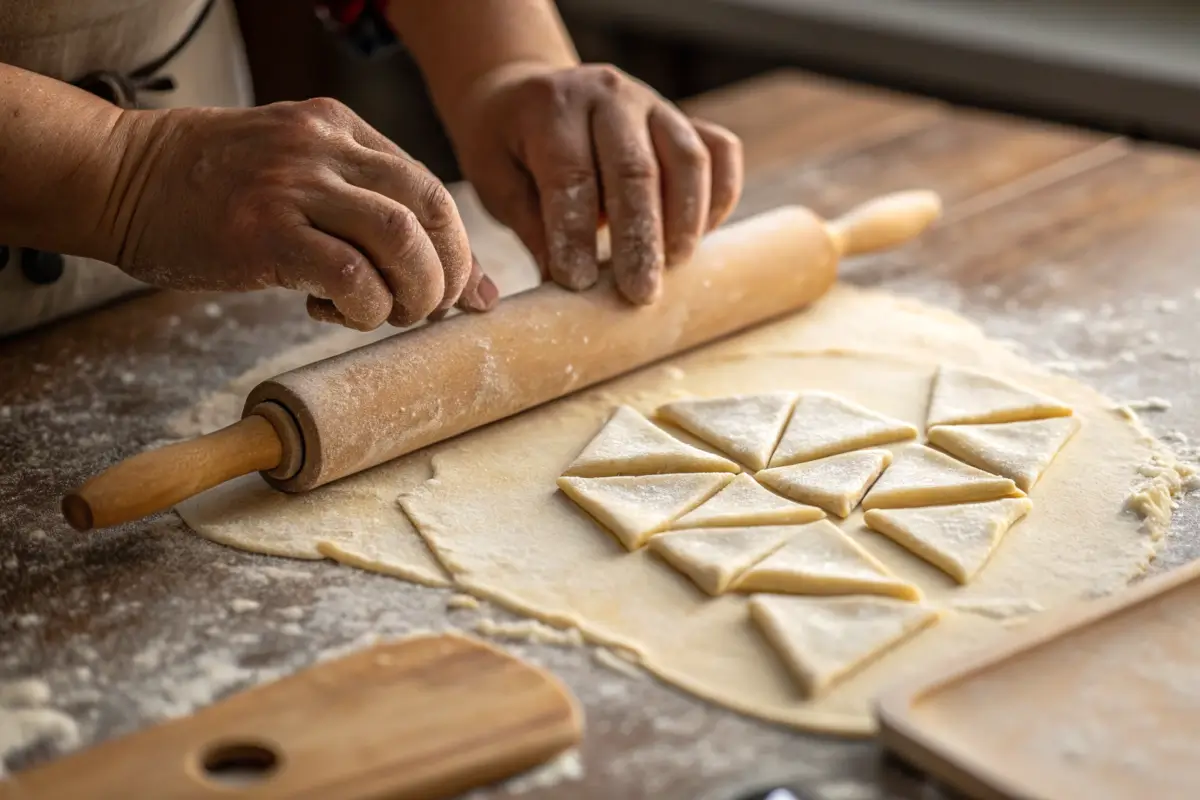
[(884, 222), (156, 480)]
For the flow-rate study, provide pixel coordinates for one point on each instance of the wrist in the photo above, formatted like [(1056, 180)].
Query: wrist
[(136, 146)]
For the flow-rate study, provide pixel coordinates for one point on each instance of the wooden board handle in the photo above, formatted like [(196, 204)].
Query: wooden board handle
[(884, 222), (427, 717), (158, 479)]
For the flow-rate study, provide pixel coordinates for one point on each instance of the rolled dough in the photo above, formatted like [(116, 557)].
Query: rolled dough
[(495, 521)]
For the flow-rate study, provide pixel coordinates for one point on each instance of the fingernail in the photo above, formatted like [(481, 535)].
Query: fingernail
[(483, 296)]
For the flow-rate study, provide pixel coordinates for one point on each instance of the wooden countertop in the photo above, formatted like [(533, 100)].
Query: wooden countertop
[(1082, 249)]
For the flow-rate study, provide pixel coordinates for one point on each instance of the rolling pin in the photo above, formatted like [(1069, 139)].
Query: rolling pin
[(357, 410)]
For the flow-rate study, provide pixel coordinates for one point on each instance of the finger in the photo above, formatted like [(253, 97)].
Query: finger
[(480, 294), (325, 266), (728, 169), (564, 171), (511, 197), (392, 237), (686, 182), (630, 175), (324, 311), (411, 185)]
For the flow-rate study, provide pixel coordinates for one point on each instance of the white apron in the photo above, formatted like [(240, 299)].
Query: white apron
[(68, 39)]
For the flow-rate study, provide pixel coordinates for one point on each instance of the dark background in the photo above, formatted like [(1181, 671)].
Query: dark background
[(292, 57), (1125, 68)]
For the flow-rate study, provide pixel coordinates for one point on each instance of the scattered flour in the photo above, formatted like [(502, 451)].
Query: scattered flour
[(1149, 404), (293, 613), (242, 605), (27, 721)]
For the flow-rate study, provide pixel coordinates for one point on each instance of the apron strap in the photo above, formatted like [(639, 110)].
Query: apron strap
[(122, 89)]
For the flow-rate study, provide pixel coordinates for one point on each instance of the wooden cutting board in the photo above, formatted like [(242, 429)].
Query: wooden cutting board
[(1101, 701), (426, 718)]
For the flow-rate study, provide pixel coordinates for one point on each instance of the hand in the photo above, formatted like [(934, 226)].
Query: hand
[(301, 195), (550, 152)]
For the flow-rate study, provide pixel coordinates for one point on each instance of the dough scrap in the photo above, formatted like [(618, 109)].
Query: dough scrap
[(1018, 450), (745, 427), (822, 641), (825, 424), (965, 397), (835, 483), (744, 501), (820, 559), (634, 507), (630, 444), (921, 476), (959, 539), (714, 557)]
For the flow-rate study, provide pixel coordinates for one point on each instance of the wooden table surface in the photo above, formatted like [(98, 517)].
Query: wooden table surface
[(1081, 249)]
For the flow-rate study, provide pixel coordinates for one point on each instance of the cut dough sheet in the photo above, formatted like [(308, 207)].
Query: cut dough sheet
[(824, 424), (965, 397), (714, 557), (355, 521), (744, 501), (634, 507), (921, 476), (824, 640), (497, 522), (630, 444), (820, 559), (835, 483), (1018, 450), (745, 427), (959, 539)]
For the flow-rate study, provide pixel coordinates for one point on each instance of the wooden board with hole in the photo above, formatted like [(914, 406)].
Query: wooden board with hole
[(1100, 701), (427, 717)]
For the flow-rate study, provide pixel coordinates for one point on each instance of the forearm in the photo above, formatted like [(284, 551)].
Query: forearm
[(61, 156), (459, 43)]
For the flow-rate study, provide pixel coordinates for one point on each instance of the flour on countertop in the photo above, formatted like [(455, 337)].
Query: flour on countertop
[(242, 605), (27, 720)]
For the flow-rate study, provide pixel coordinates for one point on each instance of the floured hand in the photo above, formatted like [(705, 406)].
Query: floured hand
[(301, 195), (553, 151)]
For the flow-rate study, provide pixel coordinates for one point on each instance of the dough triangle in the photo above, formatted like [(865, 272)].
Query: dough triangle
[(714, 557), (1017, 450), (634, 507), (836, 483), (965, 397), (630, 444), (745, 427), (921, 476), (956, 539), (744, 502), (822, 641), (824, 425), (820, 559)]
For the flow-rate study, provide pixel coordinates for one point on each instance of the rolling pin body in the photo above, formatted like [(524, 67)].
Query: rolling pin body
[(395, 396), (367, 406)]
